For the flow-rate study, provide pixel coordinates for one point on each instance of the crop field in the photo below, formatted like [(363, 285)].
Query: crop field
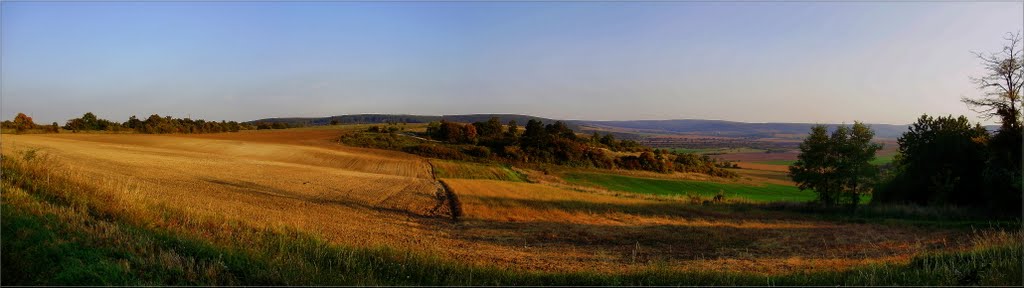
[(294, 206), (264, 184)]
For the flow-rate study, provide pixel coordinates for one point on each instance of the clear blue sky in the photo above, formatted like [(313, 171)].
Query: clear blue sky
[(755, 62)]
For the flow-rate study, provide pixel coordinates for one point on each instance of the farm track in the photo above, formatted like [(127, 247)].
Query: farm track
[(304, 180), (445, 196)]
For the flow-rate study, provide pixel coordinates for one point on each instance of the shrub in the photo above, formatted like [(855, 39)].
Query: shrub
[(941, 162), (477, 151), (436, 151)]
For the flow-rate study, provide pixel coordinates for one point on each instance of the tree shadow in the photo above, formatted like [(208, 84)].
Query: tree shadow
[(263, 190)]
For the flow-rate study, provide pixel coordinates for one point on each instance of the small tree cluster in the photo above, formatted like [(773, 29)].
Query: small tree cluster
[(272, 125), (89, 122), (940, 163), (452, 132), (948, 161), (559, 144), (23, 123), (390, 128), (609, 141), (837, 166)]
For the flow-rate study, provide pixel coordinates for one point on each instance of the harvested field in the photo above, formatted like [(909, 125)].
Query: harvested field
[(564, 229), (338, 194), (300, 179)]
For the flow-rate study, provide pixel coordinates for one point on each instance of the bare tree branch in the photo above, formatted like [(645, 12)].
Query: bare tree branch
[(1002, 85)]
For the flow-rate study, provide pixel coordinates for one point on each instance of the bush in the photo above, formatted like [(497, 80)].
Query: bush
[(436, 151), (477, 151), (513, 153), (941, 162)]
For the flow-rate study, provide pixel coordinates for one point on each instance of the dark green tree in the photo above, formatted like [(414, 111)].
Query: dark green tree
[(1001, 99), (512, 134), (940, 162), (858, 151), (836, 165), (534, 137), (491, 129), (815, 165)]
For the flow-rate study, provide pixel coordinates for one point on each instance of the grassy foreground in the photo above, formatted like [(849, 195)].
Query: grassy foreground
[(56, 231)]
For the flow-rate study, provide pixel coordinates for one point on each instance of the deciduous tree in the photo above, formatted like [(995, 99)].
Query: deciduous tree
[(836, 165), (23, 123)]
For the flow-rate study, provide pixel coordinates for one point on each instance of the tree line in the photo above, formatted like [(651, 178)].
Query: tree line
[(155, 124), (942, 161)]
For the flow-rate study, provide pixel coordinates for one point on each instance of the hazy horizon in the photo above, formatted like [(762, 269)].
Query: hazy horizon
[(884, 63)]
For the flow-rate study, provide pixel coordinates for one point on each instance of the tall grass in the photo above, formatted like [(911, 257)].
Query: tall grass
[(60, 229), (467, 170)]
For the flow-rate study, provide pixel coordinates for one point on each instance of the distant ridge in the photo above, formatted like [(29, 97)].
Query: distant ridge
[(731, 128), (626, 128), (386, 118)]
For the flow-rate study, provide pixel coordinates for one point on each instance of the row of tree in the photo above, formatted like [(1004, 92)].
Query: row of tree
[(155, 124)]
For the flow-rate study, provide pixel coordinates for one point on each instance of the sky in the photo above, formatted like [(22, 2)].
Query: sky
[(814, 62)]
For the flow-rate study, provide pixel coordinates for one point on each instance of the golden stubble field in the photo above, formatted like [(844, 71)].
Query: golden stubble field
[(304, 179)]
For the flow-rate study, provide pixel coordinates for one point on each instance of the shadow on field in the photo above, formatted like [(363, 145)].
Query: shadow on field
[(666, 208), (668, 242), (677, 231), (340, 200), (654, 231), (254, 188)]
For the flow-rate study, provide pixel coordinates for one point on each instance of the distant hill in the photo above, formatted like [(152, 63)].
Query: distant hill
[(725, 128), (520, 119), (353, 119), (400, 118), (626, 129)]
